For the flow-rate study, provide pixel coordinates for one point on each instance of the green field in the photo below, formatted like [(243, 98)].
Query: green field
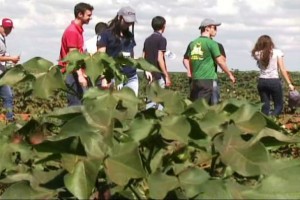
[(245, 88)]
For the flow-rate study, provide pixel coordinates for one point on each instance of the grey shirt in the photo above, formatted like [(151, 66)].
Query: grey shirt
[(2, 53)]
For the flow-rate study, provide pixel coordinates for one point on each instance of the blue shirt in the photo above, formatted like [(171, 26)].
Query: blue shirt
[(118, 46)]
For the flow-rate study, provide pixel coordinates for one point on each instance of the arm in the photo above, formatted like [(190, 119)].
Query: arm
[(186, 64), (14, 59), (104, 83), (222, 63), (81, 75), (147, 74), (284, 73), (163, 67)]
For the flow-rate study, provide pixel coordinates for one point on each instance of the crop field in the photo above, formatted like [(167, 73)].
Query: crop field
[(110, 147), (245, 88)]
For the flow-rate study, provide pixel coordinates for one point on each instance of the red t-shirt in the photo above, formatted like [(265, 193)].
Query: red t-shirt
[(72, 38)]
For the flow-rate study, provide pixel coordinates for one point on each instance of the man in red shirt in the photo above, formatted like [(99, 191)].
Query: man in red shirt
[(73, 39)]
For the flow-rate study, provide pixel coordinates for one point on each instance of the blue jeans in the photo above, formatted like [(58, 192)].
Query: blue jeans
[(133, 83), (7, 97), (72, 81), (215, 96), (271, 89), (150, 104)]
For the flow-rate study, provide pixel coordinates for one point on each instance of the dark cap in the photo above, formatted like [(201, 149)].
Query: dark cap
[(209, 22)]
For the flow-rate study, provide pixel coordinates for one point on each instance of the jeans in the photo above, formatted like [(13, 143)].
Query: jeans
[(150, 104), (72, 81), (7, 97), (132, 82), (271, 89), (215, 97)]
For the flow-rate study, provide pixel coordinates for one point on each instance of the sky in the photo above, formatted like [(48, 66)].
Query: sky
[(39, 25)]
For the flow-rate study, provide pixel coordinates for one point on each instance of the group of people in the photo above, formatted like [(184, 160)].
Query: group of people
[(116, 38)]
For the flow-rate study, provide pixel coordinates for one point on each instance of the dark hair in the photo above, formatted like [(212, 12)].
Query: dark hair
[(158, 23), (81, 8), (115, 26), (100, 27), (264, 45)]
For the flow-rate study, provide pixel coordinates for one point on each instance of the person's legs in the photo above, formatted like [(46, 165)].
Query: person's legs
[(264, 93), (277, 96), (150, 104), (215, 97), (202, 89), (7, 96), (133, 83), (72, 81)]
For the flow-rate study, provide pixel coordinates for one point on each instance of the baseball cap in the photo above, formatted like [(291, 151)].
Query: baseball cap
[(7, 23), (209, 22), (128, 14)]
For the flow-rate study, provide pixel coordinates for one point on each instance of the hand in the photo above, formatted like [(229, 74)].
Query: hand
[(232, 78), (149, 76), (104, 84), (291, 87), (189, 74), (168, 81), (82, 81), (15, 59)]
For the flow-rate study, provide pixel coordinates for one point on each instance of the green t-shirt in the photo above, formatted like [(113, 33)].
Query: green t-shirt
[(202, 53)]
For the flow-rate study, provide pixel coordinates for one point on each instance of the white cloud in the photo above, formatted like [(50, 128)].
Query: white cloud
[(39, 25)]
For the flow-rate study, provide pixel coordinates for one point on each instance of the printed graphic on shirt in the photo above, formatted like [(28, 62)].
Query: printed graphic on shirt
[(197, 53)]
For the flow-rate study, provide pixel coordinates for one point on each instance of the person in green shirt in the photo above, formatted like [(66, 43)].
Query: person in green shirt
[(204, 56)]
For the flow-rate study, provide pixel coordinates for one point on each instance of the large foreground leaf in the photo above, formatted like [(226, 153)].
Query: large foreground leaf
[(160, 184), (46, 84), (22, 190), (13, 76), (124, 164), (82, 181), (284, 184)]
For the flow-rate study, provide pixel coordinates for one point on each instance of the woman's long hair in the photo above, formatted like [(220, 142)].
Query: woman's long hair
[(264, 47), (115, 26)]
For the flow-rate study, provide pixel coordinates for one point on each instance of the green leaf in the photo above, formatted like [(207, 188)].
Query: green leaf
[(37, 65), (214, 189), (191, 179), (142, 64), (66, 113), (277, 137), (253, 125), (124, 164), (13, 76), (47, 84), (284, 184), (94, 68), (175, 128), (22, 190), (234, 152), (140, 129), (82, 181), (245, 113), (71, 145), (212, 127), (160, 184), (8, 154), (77, 126)]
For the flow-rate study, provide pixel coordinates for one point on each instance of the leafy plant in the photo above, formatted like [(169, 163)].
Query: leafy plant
[(189, 150)]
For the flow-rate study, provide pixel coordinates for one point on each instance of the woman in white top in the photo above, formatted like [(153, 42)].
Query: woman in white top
[(270, 61)]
